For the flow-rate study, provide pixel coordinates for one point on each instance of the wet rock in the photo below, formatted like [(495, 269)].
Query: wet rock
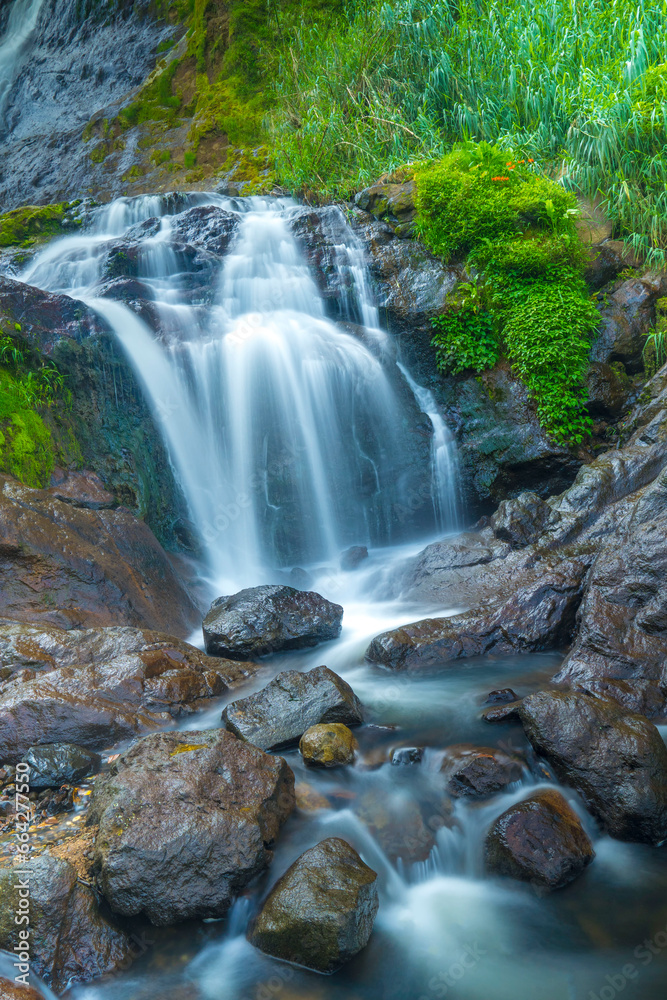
[(71, 940), (537, 616), (280, 713), (300, 579), (606, 261), (263, 620), (501, 696), (67, 566), (539, 840), (353, 557), (321, 912), (329, 744), (616, 760), (407, 756), (308, 799), (55, 764), (81, 489), (509, 712), (402, 827), (521, 521), (608, 391), (643, 697), (207, 227), (627, 314), (477, 772), (10, 990), (186, 820), (99, 686)]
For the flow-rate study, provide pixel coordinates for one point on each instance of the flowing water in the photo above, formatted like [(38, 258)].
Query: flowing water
[(291, 437)]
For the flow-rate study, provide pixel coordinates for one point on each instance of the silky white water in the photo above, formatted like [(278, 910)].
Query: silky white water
[(289, 434), (21, 22)]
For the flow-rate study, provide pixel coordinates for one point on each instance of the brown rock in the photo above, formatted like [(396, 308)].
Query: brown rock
[(186, 820), (71, 939), (616, 760), (509, 712), (81, 489), (329, 744), (308, 799), (16, 991), (113, 684), (67, 566), (539, 840), (479, 771)]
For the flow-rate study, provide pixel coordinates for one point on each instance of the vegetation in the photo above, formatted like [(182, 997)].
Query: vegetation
[(516, 228), (27, 386), (32, 224)]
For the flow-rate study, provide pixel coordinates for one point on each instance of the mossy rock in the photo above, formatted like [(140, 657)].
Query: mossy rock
[(33, 224), (329, 744)]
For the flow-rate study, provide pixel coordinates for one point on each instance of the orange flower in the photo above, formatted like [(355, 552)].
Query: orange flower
[(531, 161), (500, 178)]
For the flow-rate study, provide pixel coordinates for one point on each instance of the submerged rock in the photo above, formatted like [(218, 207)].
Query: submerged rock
[(263, 620), (186, 821), (72, 567), (281, 712), (54, 764), (321, 912), (616, 760), (539, 840), (477, 772), (407, 756), (11, 990), (71, 939), (99, 686), (328, 744), (353, 557)]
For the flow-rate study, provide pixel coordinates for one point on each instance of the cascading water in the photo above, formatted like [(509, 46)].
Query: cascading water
[(287, 434), (21, 21)]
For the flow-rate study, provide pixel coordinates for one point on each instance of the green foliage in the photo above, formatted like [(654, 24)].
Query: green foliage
[(517, 228), (29, 225), (654, 353)]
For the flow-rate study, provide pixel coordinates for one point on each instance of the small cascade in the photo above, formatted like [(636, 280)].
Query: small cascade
[(288, 432), (21, 22)]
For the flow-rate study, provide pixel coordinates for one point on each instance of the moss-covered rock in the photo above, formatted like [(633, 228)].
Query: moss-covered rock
[(24, 227), (328, 745)]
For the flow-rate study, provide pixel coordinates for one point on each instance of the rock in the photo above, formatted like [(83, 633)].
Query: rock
[(501, 696), (538, 616), (508, 712), (353, 557), (606, 261), (643, 697), (608, 391), (477, 772), (55, 764), (186, 820), (521, 521), (10, 990), (99, 686), (407, 756), (539, 840), (616, 760), (627, 314), (71, 939), (300, 579), (393, 203), (329, 744), (81, 489), (402, 827), (263, 620), (280, 713), (72, 567), (321, 912), (308, 799)]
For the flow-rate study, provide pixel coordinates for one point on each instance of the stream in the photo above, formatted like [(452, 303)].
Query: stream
[(292, 435)]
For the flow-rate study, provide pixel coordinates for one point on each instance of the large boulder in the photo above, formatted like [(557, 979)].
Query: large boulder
[(477, 772), (539, 840), (280, 713), (321, 912), (70, 566), (71, 939), (95, 687), (263, 620), (186, 821), (55, 764), (616, 760), (539, 615)]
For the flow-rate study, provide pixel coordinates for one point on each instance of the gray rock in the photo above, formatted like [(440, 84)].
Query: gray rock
[(263, 620), (616, 760), (321, 912), (353, 557), (280, 713), (55, 764), (186, 820), (477, 772)]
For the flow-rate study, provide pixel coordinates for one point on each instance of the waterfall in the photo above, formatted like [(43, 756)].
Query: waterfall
[(21, 23), (291, 435)]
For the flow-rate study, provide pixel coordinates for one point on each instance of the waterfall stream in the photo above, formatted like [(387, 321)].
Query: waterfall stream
[(289, 433)]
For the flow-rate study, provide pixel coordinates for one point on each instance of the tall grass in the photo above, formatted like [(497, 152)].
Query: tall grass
[(580, 85)]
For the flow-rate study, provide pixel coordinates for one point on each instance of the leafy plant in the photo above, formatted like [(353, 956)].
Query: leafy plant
[(466, 336)]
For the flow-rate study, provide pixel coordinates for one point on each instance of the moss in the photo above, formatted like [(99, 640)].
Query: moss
[(26, 446), (29, 225)]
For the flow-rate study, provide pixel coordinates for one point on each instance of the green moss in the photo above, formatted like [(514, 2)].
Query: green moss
[(26, 446), (33, 224)]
